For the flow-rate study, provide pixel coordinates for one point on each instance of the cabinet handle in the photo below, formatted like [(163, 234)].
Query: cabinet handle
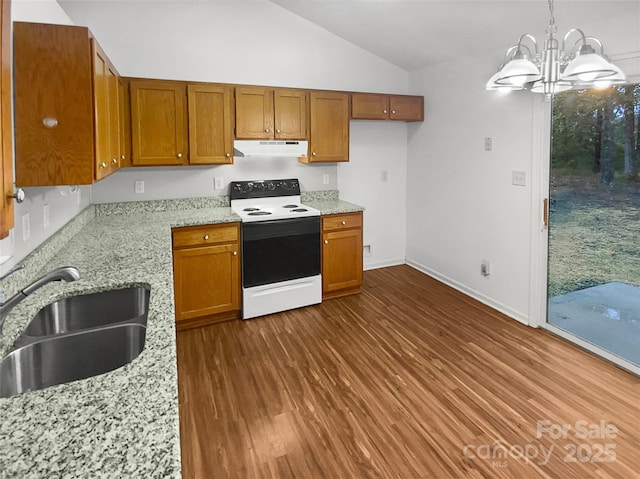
[(384, 111), (235, 253), (103, 165), (343, 222), (266, 130), (206, 237), (122, 157), (326, 241), (277, 131), (50, 122), (179, 155), (313, 154), (114, 161), (227, 155), (393, 112)]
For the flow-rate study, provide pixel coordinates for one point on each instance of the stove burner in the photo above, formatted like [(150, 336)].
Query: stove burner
[(251, 209), (290, 206), (259, 213), (300, 210)]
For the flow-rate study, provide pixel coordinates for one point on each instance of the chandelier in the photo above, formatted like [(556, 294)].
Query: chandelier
[(553, 70)]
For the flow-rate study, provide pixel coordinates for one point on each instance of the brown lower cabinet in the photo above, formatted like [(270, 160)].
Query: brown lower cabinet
[(341, 254), (206, 274)]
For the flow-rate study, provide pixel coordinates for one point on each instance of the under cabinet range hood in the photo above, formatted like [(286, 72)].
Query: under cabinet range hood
[(270, 148)]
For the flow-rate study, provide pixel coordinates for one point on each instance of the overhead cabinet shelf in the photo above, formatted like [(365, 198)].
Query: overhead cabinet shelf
[(374, 106), (67, 107)]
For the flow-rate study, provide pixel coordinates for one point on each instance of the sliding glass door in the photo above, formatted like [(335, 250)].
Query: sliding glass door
[(593, 285)]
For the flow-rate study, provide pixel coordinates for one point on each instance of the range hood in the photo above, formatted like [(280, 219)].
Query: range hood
[(270, 148)]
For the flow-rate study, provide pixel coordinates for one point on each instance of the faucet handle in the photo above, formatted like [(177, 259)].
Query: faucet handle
[(14, 270)]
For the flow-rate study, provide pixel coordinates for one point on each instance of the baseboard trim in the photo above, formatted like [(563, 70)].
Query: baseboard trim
[(383, 264), (504, 309)]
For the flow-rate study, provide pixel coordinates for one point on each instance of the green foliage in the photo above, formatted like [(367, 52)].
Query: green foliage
[(583, 123)]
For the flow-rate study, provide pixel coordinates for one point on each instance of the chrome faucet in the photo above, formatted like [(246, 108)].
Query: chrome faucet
[(66, 273)]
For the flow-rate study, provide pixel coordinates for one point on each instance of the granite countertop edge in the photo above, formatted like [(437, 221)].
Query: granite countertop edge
[(123, 423)]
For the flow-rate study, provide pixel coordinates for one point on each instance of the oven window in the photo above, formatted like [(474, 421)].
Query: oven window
[(280, 250)]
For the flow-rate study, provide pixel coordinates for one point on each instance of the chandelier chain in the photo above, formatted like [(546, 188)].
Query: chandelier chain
[(551, 28)]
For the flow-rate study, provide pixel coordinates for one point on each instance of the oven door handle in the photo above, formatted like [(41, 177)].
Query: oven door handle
[(259, 230)]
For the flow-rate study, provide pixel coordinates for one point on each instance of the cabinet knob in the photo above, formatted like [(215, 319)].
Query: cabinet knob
[(235, 253), (103, 165), (384, 111), (227, 155), (313, 153), (326, 241), (343, 222), (277, 131), (266, 130), (18, 195), (179, 155), (122, 157), (206, 237), (393, 112), (50, 122), (114, 161)]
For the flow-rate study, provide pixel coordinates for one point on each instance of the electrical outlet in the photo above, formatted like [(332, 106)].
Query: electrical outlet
[(384, 175), (45, 217), (139, 186), (485, 267), (366, 250), (488, 144), (519, 178), (26, 227), (79, 195), (325, 179), (218, 183)]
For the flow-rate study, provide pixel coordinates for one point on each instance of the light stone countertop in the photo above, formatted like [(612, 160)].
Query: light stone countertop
[(123, 423)]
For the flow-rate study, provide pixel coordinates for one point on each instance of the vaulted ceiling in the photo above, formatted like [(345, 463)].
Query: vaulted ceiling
[(415, 33)]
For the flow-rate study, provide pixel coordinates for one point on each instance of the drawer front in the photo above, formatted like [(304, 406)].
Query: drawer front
[(341, 222), (204, 235)]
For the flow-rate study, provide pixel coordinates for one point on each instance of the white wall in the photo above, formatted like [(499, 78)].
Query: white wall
[(462, 206), (257, 42), (62, 202)]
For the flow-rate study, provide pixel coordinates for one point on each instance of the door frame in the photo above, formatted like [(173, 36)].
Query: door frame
[(540, 175)]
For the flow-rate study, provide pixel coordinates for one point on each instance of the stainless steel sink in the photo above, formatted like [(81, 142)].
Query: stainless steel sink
[(76, 338), (69, 357), (87, 311)]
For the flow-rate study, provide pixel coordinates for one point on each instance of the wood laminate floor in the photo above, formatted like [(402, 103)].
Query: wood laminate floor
[(410, 379)]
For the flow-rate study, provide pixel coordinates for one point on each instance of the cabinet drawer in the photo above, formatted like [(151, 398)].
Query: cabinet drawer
[(340, 222), (203, 235)]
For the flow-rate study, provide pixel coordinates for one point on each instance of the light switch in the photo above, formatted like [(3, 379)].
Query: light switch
[(218, 183)]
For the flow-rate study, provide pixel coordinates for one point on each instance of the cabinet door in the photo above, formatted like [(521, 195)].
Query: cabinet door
[(53, 101), (365, 106), (207, 280), (158, 118), (254, 113), (341, 260), (329, 127), (406, 108), (210, 137), (6, 144), (106, 114), (290, 114), (125, 123)]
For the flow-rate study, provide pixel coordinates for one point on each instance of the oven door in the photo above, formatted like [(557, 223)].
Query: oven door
[(280, 250)]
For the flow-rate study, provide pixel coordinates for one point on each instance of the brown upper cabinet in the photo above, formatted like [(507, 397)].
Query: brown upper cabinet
[(374, 106), (329, 127), (158, 122), (271, 113), (210, 124), (6, 130), (63, 83)]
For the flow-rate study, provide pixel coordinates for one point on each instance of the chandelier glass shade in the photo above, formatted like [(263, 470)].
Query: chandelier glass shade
[(555, 69)]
